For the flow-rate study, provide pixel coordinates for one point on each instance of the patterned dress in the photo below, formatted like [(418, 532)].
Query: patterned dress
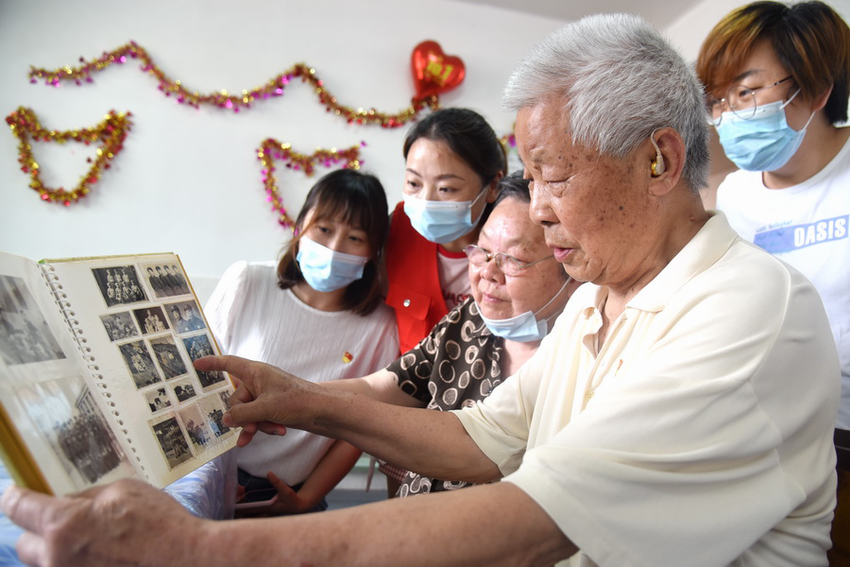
[(455, 366)]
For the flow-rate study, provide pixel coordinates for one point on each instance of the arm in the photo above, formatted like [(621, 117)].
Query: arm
[(430, 442), (112, 525), (381, 385)]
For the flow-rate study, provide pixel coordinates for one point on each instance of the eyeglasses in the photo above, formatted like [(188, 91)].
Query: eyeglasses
[(739, 99), (509, 265)]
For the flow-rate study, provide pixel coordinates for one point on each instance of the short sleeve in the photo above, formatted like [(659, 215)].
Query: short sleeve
[(710, 434)]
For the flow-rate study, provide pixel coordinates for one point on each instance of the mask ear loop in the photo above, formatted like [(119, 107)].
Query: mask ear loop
[(554, 297), (787, 102), (475, 200), (806, 125), (809, 121)]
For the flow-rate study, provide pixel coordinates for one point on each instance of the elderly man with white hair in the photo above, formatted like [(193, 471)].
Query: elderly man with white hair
[(679, 413)]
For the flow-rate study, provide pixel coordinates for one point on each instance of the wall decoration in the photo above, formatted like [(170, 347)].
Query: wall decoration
[(110, 133), (439, 74), (433, 71), (271, 150)]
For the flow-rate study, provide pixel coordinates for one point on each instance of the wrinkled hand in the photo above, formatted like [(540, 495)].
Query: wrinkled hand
[(124, 523), (267, 399)]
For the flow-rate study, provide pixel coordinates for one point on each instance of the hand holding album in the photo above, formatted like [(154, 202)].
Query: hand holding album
[(95, 519)]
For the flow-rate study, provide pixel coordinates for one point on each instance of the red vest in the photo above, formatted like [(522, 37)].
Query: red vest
[(414, 281)]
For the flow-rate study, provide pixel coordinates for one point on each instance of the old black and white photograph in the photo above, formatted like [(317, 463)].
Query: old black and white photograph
[(196, 426), (198, 347), (158, 399), (120, 326), (166, 280), (25, 336), (140, 364), (119, 285), (171, 439), (66, 414), (168, 354), (151, 320), (183, 389), (225, 398), (212, 409), (185, 317)]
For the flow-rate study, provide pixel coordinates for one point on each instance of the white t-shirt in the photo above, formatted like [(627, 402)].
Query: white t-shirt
[(806, 225), (252, 317), (700, 434)]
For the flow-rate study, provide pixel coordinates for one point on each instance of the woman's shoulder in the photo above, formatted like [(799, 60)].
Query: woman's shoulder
[(245, 270), (462, 321), (382, 316), (245, 277), (466, 310)]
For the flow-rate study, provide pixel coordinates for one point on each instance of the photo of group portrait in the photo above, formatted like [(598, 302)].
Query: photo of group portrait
[(119, 285), (166, 280)]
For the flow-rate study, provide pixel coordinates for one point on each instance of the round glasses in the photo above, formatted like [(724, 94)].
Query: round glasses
[(739, 99), (509, 265)]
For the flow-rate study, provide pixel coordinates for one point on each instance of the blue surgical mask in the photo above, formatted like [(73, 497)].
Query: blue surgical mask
[(441, 221), (763, 143), (325, 269), (524, 328)]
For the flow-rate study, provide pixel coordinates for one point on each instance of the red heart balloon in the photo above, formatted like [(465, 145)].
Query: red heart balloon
[(433, 71)]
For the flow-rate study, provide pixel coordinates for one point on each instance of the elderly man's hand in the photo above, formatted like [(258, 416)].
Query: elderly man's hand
[(125, 523), (267, 399)]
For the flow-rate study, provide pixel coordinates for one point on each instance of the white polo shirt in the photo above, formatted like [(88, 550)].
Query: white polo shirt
[(701, 434)]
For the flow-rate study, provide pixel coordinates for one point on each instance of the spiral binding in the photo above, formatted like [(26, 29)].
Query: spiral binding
[(61, 298)]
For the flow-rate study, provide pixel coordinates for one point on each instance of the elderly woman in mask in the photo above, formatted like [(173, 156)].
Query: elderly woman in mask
[(517, 291)]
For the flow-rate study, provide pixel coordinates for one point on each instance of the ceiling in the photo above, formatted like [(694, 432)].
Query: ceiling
[(660, 13)]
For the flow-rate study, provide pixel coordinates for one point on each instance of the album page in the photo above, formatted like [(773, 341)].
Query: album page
[(97, 373)]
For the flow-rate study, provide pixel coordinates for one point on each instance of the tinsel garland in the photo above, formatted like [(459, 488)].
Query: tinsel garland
[(271, 150), (27, 129), (275, 87)]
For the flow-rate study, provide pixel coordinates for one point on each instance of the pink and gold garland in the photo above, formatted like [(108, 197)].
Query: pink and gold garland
[(27, 129), (271, 150), (273, 88), (434, 73)]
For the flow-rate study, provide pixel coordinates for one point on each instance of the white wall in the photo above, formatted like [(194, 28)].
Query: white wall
[(188, 180)]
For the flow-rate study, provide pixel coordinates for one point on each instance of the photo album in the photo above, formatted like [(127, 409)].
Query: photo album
[(96, 374)]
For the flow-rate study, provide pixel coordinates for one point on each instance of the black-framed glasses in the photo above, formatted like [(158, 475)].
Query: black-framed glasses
[(739, 99), (509, 265)]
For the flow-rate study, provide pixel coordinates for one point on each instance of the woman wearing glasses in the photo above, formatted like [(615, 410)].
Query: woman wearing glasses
[(517, 292), (776, 79)]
